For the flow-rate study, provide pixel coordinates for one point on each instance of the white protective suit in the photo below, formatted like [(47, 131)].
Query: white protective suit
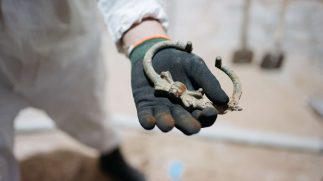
[(50, 59)]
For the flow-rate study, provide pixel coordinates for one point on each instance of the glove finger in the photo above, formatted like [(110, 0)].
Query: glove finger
[(202, 77), (164, 119), (206, 117), (184, 121), (146, 118)]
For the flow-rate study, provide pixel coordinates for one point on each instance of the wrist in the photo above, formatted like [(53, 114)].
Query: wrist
[(146, 28), (143, 35)]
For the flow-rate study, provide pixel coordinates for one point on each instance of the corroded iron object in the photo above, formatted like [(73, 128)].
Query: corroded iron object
[(233, 104), (194, 99)]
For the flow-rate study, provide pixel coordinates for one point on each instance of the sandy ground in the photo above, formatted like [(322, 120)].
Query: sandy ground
[(155, 154), (273, 101)]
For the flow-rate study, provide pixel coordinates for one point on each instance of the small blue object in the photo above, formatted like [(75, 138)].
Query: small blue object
[(176, 170)]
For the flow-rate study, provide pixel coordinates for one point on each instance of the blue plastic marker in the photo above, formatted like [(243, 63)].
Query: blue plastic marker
[(176, 170)]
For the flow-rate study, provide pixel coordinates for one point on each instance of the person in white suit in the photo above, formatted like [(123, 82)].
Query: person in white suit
[(50, 59)]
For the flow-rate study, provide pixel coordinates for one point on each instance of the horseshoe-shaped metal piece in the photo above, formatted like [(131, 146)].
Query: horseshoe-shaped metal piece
[(194, 99)]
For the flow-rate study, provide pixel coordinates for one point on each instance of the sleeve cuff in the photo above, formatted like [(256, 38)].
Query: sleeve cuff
[(120, 15)]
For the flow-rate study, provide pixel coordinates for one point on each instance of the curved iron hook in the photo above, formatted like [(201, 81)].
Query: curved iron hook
[(195, 99)]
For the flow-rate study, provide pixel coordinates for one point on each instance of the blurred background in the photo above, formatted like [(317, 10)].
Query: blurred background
[(278, 135)]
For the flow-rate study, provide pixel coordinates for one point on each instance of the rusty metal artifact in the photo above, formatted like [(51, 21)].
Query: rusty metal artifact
[(193, 99)]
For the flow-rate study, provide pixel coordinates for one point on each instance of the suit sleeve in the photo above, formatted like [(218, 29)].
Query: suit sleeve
[(120, 15)]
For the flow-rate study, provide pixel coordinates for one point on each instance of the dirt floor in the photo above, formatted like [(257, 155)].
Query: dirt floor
[(156, 153), (273, 101)]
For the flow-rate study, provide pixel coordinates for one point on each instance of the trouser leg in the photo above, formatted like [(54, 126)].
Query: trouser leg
[(10, 105), (9, 170)]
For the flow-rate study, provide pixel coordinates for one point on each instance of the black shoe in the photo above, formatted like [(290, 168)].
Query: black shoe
[(114, 165)]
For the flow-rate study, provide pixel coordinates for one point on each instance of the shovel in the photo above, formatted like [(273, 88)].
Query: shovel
[(244, 55), (275, 58)]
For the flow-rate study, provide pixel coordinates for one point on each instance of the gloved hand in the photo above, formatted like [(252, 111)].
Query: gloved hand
[(165, 112)]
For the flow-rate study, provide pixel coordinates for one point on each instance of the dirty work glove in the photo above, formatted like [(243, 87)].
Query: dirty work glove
[(165, 112)]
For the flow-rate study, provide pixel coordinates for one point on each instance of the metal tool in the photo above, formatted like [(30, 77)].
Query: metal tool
[(195, 99), (274, 59), (244, 54)]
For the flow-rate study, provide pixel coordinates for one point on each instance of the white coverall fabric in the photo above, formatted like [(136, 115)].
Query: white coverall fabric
[(120, 15), (50, 55), (10, 105), (50, 59)]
